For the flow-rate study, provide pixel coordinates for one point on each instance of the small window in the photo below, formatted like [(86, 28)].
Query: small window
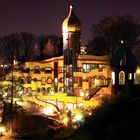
[(43, 80), (28, 78), (113, 77), (49, 80), (130, 76), (48, 70), (37, 70), (122, 78), (86, 67)]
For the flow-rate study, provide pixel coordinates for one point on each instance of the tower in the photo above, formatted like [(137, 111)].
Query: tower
[(71, 48), (123, 64)]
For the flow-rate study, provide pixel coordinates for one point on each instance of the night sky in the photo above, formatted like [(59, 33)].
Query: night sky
[(46, 16)]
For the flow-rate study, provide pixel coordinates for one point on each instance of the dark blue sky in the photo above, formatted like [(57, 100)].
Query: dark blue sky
[(46, 16)]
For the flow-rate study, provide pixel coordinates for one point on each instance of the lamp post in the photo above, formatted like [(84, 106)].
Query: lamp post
[(12, 87)]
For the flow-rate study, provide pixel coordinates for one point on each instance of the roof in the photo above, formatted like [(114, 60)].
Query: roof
[(71, 22), (123, 58)]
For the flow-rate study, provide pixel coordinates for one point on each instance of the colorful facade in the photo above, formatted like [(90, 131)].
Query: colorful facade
[(69, 80)]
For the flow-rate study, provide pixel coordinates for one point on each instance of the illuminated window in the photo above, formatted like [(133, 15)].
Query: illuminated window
[(86, 67), (113, 77), (89, 67), (48, 70), (56, 81), (130, 76), (43, 80), (67, 82), (49, 80), (121, 78), (83, 50)]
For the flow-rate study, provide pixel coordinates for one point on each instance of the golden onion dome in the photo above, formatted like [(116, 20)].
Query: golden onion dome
[(71, 23)]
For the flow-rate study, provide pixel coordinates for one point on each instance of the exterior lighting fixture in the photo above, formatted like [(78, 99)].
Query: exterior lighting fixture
[(122, 42)]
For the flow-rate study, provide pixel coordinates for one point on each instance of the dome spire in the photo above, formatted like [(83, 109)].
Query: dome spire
[(71, 22)]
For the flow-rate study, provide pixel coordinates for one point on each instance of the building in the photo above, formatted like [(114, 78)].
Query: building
[(71, 80)]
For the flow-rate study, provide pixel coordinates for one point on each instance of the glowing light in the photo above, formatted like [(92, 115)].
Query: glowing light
[(2, 129), (138, 71), (81, 94), (90, 113), (78, 117), (48, 111), (122, 41), (65, 121), (65, 28), (96, 81), (71, 6), (52, 92), (113, 77)]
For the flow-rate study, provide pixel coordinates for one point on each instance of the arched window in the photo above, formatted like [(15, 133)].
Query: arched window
[(122, 78)]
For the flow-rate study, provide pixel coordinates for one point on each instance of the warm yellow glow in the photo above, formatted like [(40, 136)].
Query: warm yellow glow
[(2, 129), (66, 121), (71, 27), (138, 71), (48, 111), (78, 117), (96, 82)]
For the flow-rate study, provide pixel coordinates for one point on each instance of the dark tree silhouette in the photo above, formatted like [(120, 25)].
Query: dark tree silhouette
[(12, 46), (27, 47), (98, 46), (31, 51), (50, 46), (114, 29)]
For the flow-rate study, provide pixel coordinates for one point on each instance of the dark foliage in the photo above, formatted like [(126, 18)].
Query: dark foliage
[(115, 119), (111, 30), (27, 47), (49, 46)]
